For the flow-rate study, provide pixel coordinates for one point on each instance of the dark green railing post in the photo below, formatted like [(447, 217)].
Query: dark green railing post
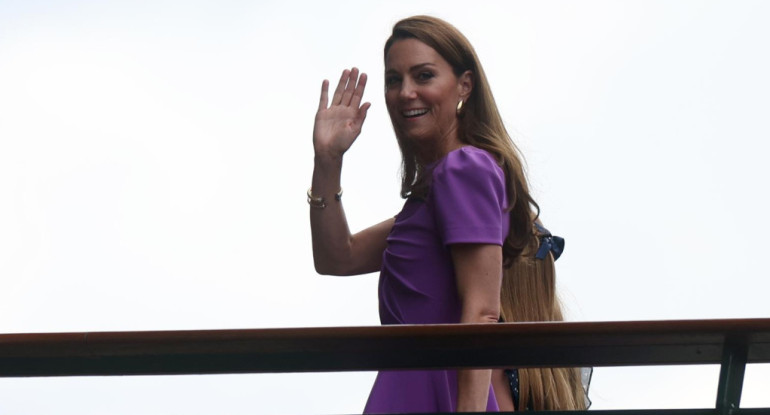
[(734, 356)]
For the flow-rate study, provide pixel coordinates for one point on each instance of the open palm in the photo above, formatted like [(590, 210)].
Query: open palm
[(338, 125)]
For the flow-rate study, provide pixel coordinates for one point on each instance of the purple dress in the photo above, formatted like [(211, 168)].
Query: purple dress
[(465, 204)]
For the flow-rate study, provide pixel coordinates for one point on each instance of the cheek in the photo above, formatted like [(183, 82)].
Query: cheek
[(447, 109), (391, 112), (390, 101), (445, 101)]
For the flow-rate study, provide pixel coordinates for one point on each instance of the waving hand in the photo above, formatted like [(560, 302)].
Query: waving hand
[(338, 124)]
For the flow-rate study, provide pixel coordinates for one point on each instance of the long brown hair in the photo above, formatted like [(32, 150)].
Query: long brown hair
[(528, 291)]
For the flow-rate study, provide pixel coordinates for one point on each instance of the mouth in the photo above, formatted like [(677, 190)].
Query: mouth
[(414, 113)]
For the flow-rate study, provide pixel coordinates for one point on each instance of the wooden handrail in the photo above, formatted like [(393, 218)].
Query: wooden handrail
[(730, 343), (382, 347)]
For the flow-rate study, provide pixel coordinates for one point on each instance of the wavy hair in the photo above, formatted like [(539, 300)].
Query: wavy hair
[(528, 290)]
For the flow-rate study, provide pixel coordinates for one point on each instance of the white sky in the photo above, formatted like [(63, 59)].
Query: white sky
[(154, 157)]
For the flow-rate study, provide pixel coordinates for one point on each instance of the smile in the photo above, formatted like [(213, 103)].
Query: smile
[(415, 113)]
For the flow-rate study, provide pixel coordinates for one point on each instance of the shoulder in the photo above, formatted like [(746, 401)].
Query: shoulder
[(468, 197), (467, 160)]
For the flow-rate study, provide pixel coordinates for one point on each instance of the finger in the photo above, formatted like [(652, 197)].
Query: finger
[(350, 87), (358, 94), (340, 87), (324, 101), (361, 116)]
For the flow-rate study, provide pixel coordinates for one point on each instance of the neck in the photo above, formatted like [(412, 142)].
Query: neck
[(432, 150)]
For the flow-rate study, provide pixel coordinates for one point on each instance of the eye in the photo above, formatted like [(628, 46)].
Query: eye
[(425, 76), (391, 80)]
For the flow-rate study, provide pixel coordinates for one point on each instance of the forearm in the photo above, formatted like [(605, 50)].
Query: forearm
[(328, 225), (473, 389)]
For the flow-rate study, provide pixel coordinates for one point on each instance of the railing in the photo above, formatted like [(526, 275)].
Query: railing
[(730, 343)]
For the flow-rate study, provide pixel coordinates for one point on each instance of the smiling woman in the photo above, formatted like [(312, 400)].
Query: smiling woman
[(154, 162), (468, 214), (423, 95)]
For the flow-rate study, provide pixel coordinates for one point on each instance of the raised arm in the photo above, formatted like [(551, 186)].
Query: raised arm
[(337, 125)]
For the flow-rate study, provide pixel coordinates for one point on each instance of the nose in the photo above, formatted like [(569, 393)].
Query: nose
[(407, 90)]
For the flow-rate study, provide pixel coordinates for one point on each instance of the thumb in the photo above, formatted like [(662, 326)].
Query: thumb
[(362, 112)]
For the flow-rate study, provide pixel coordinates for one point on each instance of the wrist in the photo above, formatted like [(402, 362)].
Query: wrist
[(328, 158), (319, 202)]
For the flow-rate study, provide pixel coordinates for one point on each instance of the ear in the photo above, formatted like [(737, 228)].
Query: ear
[(465, 84)]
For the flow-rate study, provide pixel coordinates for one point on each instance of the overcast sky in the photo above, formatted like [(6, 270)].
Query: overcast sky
[(154, 158)]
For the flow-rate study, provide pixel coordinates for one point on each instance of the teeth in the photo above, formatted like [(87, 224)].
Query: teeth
[(414, 113)]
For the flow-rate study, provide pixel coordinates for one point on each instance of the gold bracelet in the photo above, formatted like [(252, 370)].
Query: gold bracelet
[(319, 201)]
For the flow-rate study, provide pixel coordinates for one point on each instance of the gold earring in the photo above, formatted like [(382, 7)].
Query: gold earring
[(460, 107)]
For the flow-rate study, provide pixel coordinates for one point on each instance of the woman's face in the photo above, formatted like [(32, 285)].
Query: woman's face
[(422, 92)]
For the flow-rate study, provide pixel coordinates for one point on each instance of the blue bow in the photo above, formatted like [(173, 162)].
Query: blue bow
[(548, 242)]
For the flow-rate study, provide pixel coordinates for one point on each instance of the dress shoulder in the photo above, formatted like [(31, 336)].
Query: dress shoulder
[(466, 160), (468, 194)]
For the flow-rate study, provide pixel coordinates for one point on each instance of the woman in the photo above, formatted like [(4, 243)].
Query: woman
[(468, 211)]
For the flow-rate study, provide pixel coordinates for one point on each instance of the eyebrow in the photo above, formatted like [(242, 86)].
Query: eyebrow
[(414, 67)]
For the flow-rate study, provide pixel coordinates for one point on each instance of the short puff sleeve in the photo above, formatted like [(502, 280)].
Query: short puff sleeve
[(468, 197)]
